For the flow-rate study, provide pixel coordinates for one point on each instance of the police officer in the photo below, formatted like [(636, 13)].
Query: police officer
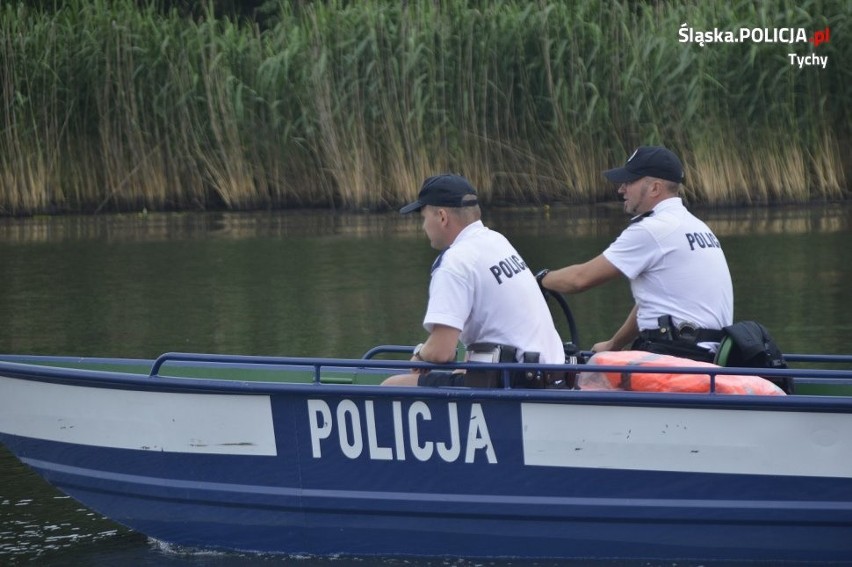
[(481, 290), (678, 273)]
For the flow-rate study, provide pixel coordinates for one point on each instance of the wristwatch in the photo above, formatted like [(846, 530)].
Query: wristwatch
[(416, 353)]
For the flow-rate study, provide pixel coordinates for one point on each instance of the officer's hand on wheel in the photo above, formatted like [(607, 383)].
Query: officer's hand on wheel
[(602, 346), (540, 276)]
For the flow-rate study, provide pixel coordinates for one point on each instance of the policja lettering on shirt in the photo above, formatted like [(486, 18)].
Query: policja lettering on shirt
[(508, 267), (706, 240)]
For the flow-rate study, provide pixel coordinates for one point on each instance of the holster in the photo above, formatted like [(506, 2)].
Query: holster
[(487, 353), (677, 341), (491, 353)]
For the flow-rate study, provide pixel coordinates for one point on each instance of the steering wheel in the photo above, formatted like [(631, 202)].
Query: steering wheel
[(569, 317)]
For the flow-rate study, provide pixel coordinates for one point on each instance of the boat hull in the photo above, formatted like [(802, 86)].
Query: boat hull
[(369, 471)]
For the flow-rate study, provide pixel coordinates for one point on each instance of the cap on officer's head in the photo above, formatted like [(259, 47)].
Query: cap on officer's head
[(446, 190), (648, 161)]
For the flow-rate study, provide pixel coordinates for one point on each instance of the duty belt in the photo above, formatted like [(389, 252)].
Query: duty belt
[(683, 334)]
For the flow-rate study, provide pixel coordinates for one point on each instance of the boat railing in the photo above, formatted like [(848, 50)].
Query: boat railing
[(387, 349), (584, 355), (505, 368), (820, 358)]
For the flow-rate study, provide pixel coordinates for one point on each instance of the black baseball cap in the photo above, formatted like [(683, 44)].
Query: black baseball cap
[(648, 161), (446, 190)]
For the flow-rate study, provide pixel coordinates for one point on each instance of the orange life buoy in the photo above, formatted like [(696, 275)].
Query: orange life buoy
[(667, 382)]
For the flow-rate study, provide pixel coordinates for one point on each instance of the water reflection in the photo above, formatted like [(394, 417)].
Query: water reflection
[(576, 221), (782, 220), (36, 520), (153, 227)]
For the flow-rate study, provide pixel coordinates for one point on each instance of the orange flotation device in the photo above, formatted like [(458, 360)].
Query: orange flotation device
[(667, 382)]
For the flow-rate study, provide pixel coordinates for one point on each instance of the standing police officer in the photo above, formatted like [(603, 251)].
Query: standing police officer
[(678, 273), (481, 290)]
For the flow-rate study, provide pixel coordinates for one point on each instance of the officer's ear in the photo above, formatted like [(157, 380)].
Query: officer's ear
[(656, 186)]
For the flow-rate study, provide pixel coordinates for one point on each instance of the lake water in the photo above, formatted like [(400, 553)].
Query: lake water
[(328, 284)]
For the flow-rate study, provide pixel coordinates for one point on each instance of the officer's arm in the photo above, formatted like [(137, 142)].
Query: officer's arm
[(624, 336), (441, 344), (580, 277)]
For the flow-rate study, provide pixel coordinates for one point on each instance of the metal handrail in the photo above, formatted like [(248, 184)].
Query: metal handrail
[(813, 358), (830, 358), (505, 367)]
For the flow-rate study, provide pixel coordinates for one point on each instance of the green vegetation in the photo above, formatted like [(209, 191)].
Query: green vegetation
[(108, 106)]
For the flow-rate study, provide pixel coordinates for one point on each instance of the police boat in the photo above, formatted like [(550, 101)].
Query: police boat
[(310, 456)]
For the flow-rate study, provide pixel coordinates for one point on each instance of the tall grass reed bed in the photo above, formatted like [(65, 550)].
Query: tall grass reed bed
[(111, 106)]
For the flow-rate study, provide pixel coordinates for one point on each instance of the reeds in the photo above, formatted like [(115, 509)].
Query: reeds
[(108, 106)]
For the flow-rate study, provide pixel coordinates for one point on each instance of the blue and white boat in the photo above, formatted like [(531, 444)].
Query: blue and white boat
[(311, 456)]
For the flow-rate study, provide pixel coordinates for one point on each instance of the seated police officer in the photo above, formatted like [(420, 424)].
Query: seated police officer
[(481, 290), (678, 273)]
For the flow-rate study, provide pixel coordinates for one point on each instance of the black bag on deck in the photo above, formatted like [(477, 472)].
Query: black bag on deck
[(751, 346)]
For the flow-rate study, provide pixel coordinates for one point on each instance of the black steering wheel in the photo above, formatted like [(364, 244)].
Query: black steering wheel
[(569, 317)]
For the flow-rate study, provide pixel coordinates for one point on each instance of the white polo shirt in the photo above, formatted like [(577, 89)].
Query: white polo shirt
[(481, 286), (676, 267)]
